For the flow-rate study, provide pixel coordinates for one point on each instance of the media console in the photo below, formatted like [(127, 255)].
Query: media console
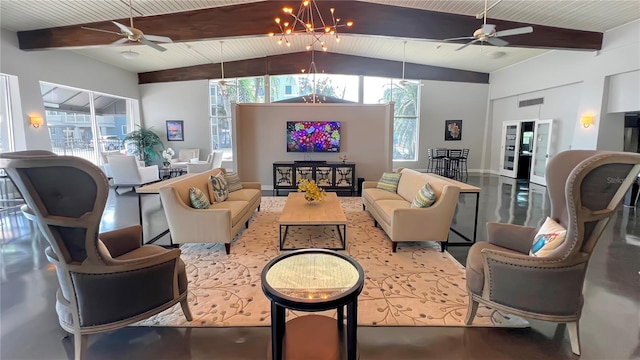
[(331, 176)]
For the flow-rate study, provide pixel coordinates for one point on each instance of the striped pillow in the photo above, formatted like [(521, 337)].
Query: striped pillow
[(198, 199), (233, 181), (389, 182), (424, 198), (218, 189)]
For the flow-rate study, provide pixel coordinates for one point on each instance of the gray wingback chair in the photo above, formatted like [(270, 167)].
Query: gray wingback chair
[(585, 188), (107, 280)]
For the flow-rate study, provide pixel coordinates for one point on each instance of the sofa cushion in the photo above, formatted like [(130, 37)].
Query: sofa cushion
[(237, 208), (198, 199), (233, 181), (386, 207), (374, 194), (411, 182), (550, 236), (218, 189), (389, 182), (249, 195), (424, 198)]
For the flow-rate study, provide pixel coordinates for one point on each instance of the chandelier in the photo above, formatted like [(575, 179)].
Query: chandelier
[(308, 20)]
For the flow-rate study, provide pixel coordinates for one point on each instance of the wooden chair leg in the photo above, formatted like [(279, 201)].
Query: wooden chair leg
[(80, 346), (471, 310), (185, 309), (574, 337), (227, 248), (394, 246)]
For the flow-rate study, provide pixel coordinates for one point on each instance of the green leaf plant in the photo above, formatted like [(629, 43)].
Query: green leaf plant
[(144, 144)]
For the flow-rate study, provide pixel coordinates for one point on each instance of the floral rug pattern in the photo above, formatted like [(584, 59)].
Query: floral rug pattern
[(416, 286)]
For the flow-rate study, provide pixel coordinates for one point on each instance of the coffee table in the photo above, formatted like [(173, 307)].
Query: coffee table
[(313, 280), (299, 212)]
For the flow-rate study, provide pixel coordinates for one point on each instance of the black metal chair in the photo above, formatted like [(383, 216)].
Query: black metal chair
[(453, 162), (464, 171), (440, 159)]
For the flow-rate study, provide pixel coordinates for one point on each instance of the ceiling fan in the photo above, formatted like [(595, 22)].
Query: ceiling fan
[(129, 33), (487, 33), (405, 82), (222, 83)]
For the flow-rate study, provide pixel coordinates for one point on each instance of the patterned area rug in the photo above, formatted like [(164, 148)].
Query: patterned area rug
[(416, 286)]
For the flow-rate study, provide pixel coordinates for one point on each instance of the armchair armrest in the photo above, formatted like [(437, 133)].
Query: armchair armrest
[(107, 294), (513, 237), (539, 285), (251, 185), (149, 174), (123, 240)]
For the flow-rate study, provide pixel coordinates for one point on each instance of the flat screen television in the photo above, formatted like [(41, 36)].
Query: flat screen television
[(313, 136)]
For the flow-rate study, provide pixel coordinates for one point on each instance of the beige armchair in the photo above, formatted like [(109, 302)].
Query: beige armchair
[(107, 281), (126, 171), (214, 161), (184, 157), (585, 188)]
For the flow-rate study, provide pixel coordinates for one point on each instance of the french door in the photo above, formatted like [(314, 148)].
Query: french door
[(541, 150), (510, 148)]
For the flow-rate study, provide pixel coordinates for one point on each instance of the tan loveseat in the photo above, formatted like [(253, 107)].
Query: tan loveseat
[(401, 222), (220, 223)]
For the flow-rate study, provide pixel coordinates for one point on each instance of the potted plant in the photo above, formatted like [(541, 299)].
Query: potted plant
[(144, 143)]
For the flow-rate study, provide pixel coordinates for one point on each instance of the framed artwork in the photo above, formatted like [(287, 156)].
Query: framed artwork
[(452, 130), (175, 130)]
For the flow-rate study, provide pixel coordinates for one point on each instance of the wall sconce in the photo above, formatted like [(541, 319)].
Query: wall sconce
[(586, 120), (36, 121)]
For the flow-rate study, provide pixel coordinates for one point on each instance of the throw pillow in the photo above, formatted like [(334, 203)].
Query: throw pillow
[(233, 181), (389, 182), (424, 198), (198, 199), (218, 189), (550, 236)]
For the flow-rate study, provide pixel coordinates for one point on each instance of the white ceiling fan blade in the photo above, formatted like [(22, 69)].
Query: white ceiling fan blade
[(459, 38), (120, 41), (124, 28), (488, 28), (467, 44), (157, 38), (517, 31), (152, 44), (104, 31), (497, 41)]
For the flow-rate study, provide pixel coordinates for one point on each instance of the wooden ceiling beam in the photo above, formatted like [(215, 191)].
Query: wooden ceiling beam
[(256, 19), (330, 63)]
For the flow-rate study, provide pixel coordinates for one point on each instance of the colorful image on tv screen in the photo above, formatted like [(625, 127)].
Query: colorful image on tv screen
[(313, 136)]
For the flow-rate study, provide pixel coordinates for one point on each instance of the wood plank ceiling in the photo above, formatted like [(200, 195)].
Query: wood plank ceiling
[(380, 25)]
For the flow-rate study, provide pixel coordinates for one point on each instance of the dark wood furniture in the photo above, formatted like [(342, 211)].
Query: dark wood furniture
[(333, 176), (313, 280)]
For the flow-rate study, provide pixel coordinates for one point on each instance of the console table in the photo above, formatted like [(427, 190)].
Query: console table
[(335, 176)]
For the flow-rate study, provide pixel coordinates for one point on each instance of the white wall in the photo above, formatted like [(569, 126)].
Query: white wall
[(560, 104), (180, 100), (552, 72), (61, 67), (442, 100), (261, 137)]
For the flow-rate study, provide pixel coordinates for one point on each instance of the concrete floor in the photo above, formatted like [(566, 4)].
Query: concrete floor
[(610, 326)]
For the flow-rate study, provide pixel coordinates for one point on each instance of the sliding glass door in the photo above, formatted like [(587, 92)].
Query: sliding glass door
[(84, 123)]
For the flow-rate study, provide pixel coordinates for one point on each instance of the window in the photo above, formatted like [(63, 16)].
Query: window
[(84, 123), (406, 95), (222, 94), (6, 124), (329, 88)]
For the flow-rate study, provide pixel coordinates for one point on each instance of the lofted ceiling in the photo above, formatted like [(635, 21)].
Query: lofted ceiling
[(376, 34)]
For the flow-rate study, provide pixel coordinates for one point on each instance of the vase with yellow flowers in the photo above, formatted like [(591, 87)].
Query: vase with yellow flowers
[(312, 192)]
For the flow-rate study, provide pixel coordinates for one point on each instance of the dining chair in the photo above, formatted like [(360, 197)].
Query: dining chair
[(440, 158), (453, 160), (463, 164)]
